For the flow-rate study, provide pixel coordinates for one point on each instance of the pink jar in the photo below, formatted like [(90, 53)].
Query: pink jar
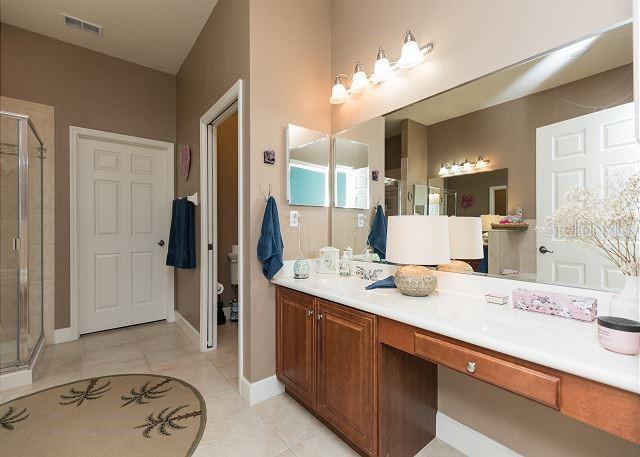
[(619, 335)]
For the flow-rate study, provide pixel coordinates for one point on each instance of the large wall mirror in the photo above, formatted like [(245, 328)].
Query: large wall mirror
[(509, 146), (307, 167)]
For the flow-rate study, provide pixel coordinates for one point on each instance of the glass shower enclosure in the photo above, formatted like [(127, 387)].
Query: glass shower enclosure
[(21, 241)]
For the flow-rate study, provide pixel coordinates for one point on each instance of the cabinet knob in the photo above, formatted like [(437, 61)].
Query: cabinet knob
[(309, 312), (319, 316), (471, 367)]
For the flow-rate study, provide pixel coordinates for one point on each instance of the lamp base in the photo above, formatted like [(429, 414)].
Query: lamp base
[(415, 281)]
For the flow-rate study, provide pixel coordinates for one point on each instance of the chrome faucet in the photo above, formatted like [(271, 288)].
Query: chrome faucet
[(368, 275)]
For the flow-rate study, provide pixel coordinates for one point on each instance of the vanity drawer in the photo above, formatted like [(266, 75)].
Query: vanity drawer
[(521, 380)]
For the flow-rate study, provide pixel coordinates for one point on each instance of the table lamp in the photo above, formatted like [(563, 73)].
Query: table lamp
[(465, 242), (415, 241)]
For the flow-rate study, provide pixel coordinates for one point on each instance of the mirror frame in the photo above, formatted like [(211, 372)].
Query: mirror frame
[(329, 167)]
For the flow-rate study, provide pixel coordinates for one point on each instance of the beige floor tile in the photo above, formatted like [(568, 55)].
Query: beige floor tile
[(244, 436), (11, 394), (287, 453), (224, 407), (132, 366), (59, 366), (199, 372), (63, 349), (170, 355), (154, 330), (52, 381), (288, 419), (166, 342), (113, 354), (103, 340), (438, 448), (321, 444)]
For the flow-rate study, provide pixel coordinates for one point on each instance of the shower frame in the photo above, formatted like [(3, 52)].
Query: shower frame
[(25, 353)]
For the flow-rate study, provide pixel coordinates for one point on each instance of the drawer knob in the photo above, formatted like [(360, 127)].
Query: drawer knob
[(471, 367), (319, 316), (309, 312)]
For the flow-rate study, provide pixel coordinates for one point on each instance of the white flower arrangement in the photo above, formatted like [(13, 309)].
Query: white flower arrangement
[(607, 222)]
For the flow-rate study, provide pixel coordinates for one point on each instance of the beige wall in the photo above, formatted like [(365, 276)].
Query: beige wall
[(86, 89), (227, 193), (414, 136), (472, 39), (476, 185), (344, 228), (505, 134), (290, 83), (219, 57)]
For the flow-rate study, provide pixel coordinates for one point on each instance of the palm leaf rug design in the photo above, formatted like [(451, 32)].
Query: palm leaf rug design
[(123, 415)]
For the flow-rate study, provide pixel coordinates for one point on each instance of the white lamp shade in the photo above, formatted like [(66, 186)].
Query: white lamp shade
[(418, 240), (465, 237), (382, 71), (360, 82), (410, 56), (339, 94)]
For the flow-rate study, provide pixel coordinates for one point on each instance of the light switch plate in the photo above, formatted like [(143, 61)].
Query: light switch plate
[(293, 219), (360, 220)]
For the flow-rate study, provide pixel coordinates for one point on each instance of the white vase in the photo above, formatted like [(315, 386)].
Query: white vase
[(626, 303)]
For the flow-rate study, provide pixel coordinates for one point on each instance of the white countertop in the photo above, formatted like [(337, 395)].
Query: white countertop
[(564, 344)]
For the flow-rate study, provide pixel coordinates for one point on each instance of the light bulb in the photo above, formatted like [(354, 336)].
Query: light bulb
[(360, 82), (455, 168), (443, 170), (382, 68), (480, 163), (339, 93), (466, 166), (410, 56)]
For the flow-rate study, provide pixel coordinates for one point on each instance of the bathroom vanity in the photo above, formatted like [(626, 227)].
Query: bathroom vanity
[(366, 362)]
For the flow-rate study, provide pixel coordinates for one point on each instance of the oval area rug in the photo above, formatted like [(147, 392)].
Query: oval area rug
[(119, 415)]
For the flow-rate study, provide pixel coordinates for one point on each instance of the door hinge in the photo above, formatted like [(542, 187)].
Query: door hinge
[(210, 246)]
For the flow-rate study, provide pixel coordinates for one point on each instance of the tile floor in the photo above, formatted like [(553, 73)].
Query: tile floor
[(276, 427)]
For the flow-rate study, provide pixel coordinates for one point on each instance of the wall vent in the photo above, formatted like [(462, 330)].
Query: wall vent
[(81, 24)]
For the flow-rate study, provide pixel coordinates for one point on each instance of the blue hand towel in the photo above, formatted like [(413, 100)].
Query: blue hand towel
[(378, 234), (270, 246), (181, 252), (386, 283)]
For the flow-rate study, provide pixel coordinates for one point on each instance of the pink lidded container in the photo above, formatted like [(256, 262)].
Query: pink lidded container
[(619, 335)]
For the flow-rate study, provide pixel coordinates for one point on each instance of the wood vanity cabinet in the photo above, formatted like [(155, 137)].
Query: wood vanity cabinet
[(326, 359)]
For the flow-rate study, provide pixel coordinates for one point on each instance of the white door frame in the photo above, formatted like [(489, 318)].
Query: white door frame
[(208, 224), (75, 134), (492, 197)]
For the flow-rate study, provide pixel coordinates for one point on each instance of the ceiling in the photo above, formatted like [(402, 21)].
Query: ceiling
[(155, 33), (580, 60)]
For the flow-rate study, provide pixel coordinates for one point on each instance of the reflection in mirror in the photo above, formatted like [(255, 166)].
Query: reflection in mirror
[(359, 185), (307, 167), (509, 146), (351, 178)]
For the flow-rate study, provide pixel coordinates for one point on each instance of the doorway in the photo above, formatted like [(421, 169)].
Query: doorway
[(221, 165)]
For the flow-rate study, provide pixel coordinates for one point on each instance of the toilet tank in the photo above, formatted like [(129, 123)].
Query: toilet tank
[(233, 268)]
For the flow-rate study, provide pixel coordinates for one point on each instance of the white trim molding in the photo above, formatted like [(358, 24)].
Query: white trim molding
[(467, 440), (75, 133), (259, 391), (63, 335), (187, 329), (208, 293)]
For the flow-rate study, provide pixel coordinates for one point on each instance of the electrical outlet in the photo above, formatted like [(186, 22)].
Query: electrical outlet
[(360, 220), (293, 219)]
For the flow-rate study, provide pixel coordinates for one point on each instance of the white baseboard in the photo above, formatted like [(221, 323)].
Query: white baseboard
[(188, 329), (259, 391), (16, 378), (467, 440), (63, 335)]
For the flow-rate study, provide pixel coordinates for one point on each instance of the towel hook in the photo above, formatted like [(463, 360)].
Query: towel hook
[(266, 197)]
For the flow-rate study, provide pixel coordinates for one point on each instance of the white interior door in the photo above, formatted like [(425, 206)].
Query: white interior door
[(121, 226), (581, 152)]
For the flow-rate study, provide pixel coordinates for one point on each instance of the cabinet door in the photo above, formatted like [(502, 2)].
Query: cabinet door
[(347, 372), (295, 344)]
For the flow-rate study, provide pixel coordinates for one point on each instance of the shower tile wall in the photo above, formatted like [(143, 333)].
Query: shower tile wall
[(43, 118)]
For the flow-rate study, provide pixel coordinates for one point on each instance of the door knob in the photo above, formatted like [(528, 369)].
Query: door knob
[(471, 367), (544, 250), (161, 243)]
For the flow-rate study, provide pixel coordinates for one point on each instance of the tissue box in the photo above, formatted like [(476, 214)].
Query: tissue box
[(564, 305)]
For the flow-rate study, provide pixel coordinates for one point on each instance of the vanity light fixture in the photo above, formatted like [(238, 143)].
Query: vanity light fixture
[(360, 81), (382, 68), (339, 93), (411, 55), (464, 167), (481, 163), (444, 169), (455, 168)]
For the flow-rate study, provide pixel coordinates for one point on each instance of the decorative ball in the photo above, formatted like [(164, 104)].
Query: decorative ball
[(415, 280)]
